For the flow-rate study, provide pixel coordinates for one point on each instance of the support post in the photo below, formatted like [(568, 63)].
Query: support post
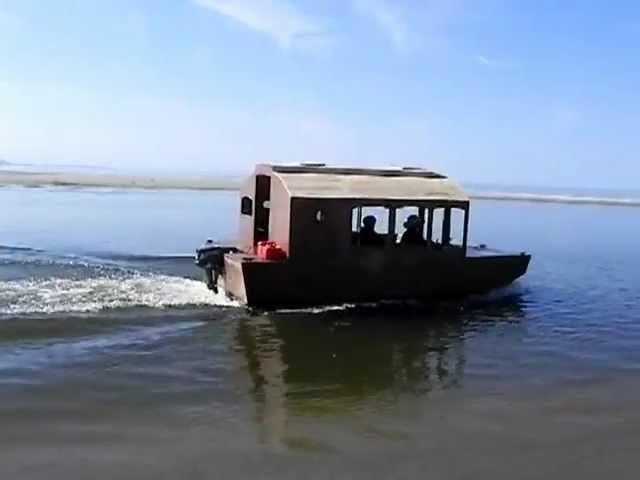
[(446, 227), (359, 219), (391, 234), (430, 226), (465, 235)]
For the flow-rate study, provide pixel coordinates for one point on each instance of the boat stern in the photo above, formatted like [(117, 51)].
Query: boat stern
[(234, 280)]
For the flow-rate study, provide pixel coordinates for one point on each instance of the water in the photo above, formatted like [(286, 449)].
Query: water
[(116, 362)]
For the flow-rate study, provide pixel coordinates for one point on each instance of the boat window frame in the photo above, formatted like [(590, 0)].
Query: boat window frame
[(397, 236), (246, 206), (425, 212), (446, 224), (355, 234)]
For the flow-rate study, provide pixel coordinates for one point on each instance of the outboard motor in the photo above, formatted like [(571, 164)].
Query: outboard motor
[(210, 257)]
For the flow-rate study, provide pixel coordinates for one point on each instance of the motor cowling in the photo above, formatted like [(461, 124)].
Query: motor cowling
[(210, 257)]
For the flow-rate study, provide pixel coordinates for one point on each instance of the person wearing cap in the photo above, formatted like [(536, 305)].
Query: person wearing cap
[(413, 231)]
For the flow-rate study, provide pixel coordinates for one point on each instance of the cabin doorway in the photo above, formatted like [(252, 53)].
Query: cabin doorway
[(261, 216)]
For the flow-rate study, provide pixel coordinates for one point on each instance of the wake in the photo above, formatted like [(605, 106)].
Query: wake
[(59, 295)]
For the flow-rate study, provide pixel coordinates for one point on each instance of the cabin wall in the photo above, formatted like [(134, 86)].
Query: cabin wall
[(245, 227), (311, 238), (280, 214)]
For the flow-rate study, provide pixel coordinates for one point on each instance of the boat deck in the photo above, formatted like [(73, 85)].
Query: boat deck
[(482, 251), (472, 252)]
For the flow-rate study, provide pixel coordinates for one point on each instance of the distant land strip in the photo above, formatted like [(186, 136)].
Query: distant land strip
[(554, 198), (83, 180), (80, 180)]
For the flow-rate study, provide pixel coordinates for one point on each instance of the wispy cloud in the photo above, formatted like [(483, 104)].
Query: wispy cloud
[(389, 19), (490, 62), (288, 26), (482, 60)]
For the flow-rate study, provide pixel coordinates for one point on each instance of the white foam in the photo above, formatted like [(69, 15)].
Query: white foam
[(95, 294), (319, 309)]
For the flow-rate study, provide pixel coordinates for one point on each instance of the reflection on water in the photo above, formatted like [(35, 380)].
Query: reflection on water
[(343, 362)]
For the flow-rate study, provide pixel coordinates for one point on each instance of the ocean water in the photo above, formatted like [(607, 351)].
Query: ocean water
[(117, 362)]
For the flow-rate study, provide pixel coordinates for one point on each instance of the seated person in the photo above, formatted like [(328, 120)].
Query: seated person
[(413, 231), (368, 234)]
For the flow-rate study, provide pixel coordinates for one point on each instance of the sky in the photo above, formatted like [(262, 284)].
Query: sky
[(527, 92)]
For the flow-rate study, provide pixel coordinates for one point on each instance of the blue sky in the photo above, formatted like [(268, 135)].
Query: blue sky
[(520, 92)]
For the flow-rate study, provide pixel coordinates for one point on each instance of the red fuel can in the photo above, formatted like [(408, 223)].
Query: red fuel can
[(271, 251)]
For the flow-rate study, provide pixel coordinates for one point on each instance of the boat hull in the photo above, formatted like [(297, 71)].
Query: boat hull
[(263, 284)]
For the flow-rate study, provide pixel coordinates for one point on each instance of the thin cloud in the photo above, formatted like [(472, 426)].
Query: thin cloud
[(492, 62), (389, 19), (289, 27)]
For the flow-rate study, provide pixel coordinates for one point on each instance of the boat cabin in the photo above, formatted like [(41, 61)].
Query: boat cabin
[(314, 210)]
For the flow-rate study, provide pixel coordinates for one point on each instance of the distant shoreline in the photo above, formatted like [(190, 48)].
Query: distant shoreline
[(60, 179), (554, 198), (133, 182)]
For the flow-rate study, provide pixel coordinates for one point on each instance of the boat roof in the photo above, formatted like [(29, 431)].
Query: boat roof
[(320, 181)]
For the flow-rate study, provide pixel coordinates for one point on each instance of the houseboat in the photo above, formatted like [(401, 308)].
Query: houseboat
[(316, 235)]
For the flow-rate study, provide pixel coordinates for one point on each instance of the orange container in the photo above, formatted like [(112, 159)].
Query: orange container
[(261, 250), (271, 251), (275, 254)]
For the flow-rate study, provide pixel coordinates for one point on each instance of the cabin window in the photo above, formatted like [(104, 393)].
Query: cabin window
[(448, 226), (404, 216), (437, 222), (246, 206), (369, 225), (457, 226)]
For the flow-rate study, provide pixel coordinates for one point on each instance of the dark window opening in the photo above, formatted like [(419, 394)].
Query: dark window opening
[(448, 226), (369, 226), (246, 206), (410, 226)]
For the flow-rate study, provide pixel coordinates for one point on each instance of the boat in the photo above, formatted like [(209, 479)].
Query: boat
[(313, 235)]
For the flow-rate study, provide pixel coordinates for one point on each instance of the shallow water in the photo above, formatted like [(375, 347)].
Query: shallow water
[(116, 362)]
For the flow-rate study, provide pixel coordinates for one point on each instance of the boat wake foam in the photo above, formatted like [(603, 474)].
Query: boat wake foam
[(59, 295)]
